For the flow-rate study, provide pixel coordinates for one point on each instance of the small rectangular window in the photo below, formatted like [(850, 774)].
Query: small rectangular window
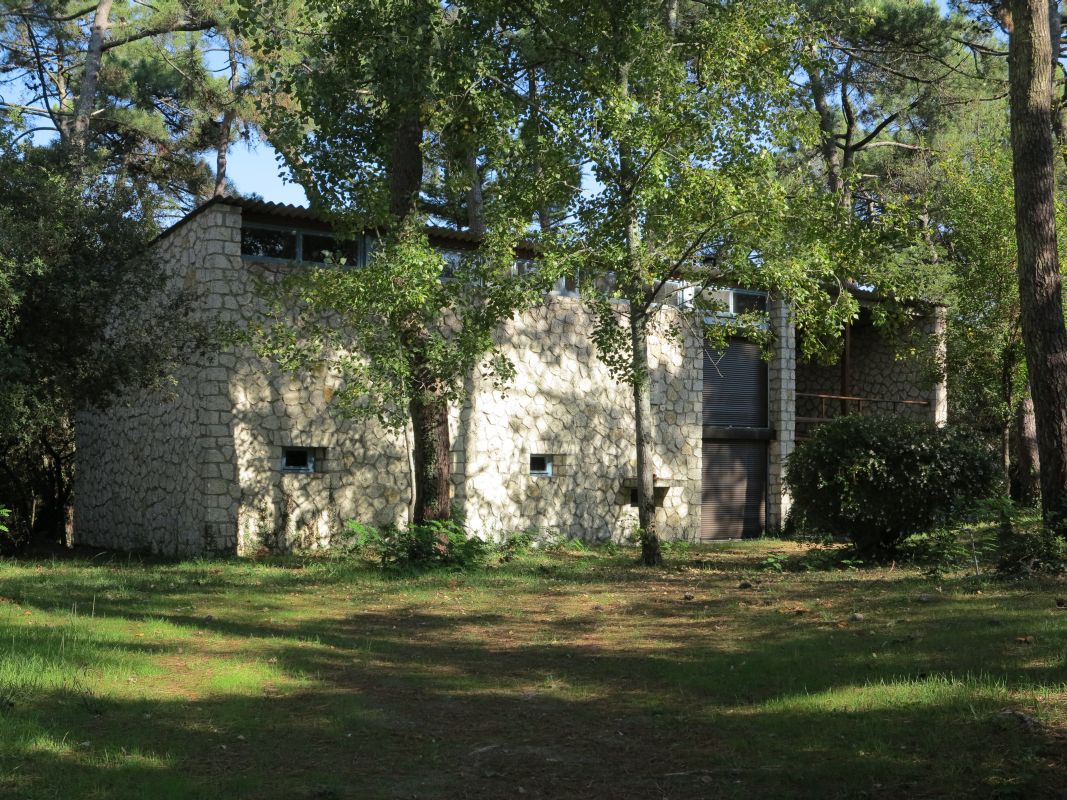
[(268, 243), (298, 459), (316, 246), (745, 302), (540, 465)]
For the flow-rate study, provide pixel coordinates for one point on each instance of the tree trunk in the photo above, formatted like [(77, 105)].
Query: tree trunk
[(1007, 431), (94, 55), (61, 503), (433, 474), (831, 155), (642, 390), (544, 213), (405, 169), (646, 491), (1033, 167), (1025, 470), (427, 407), (226, 127), (670, 16), (475, 201)]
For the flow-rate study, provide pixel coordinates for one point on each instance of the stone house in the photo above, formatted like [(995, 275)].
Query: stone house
[(241, 456)]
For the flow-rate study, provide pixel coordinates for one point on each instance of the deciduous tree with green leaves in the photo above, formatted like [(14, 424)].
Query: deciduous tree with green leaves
[(678, 113), (388, 113)]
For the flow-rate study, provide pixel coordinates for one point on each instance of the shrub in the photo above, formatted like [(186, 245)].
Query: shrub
[(878, 480), (1030, 551), (433, 543), (516, 544), (357, 539)]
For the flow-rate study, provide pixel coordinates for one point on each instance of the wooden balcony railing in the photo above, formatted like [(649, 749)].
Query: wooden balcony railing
[(838, 405)]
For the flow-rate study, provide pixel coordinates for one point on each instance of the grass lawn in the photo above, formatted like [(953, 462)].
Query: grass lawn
[(566, 675)]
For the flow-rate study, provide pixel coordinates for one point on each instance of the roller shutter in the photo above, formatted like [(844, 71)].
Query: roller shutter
[(734, 494), (735, 386)]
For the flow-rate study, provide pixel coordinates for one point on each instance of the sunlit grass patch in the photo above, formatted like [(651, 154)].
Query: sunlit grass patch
[(571, 674), (968, 694)]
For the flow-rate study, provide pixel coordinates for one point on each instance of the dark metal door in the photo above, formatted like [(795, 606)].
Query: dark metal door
[(734, 495)]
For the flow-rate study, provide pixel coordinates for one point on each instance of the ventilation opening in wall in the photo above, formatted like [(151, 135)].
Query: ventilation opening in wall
[(540, 465), (298, 459), (658, 493)]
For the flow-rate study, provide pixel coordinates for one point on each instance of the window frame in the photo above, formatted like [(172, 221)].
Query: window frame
[(308, 469), (548, 471), (724, 317), (358, 243), (736, 291)]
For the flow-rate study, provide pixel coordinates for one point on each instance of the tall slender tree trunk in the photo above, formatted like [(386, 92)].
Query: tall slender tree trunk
[(405, 174), (228, 117), (427, 406), (475, 200), (1025, 466), (544, 213), (433, 477), (94, 55), (831, 154), (1034, 170), (646, 490), (642, 390)]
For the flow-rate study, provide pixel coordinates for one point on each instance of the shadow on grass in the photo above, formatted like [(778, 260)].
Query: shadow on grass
[(731, 694)]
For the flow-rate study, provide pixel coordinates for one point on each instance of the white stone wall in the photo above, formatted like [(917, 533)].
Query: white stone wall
[(200, 469), (361, 470), (141, 476), (564, 402)]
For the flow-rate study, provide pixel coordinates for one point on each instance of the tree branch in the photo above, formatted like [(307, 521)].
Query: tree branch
[(184, 25)]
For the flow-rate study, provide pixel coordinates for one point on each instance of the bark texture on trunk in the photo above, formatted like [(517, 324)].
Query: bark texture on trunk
[(475, 200), (651, 554), (646, 491), (405, 175), (94, 55), (1033, 167), (831, 154), (433, 474), (1025, 467), (427, 406), (226, 127)]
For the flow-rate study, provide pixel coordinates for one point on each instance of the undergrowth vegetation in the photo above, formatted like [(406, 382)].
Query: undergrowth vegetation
[(447, 543)]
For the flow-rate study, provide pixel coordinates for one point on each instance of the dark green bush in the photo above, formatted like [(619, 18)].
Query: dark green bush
[(1032, 550), (434, 543), (877, 480)]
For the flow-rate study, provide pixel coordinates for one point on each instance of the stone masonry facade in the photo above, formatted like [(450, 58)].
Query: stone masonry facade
[(197, 470), (895, 374)]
